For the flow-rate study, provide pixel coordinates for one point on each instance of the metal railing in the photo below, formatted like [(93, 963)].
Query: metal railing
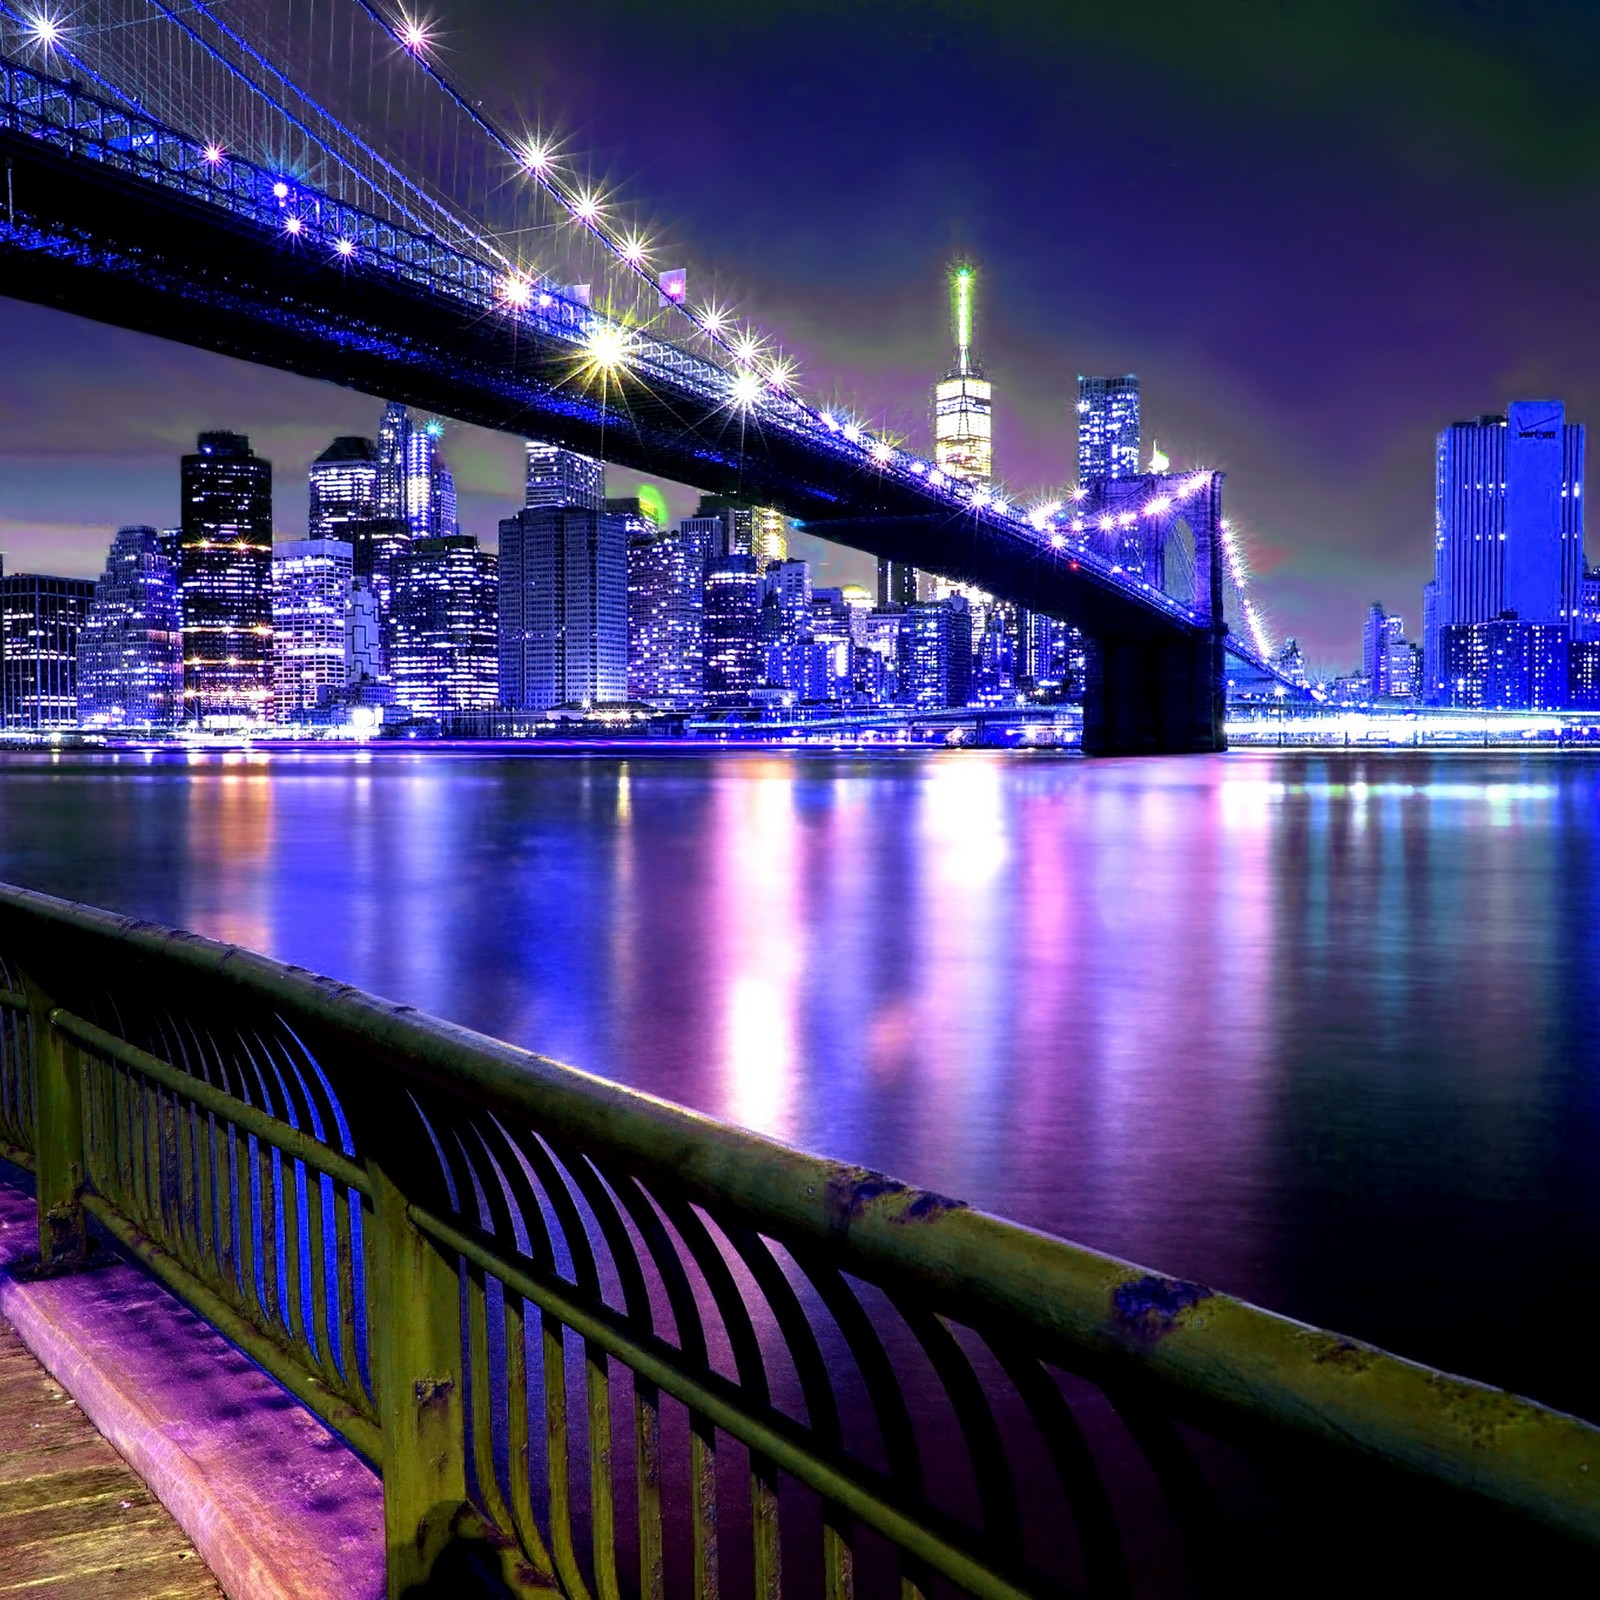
[(598, 1344)]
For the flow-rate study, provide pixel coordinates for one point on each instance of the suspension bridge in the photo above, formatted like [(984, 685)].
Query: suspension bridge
[(300, 184)]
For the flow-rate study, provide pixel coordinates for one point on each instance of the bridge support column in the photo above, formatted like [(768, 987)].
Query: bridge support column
[(1154, 697)]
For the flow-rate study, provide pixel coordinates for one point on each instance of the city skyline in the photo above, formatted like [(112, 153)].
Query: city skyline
[(1319, 419)]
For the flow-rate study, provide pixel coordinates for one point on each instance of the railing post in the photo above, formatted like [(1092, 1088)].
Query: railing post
[(57, 1137), (414, 1329)]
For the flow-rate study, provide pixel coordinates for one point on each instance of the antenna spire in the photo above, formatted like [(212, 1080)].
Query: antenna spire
[(962, 284)]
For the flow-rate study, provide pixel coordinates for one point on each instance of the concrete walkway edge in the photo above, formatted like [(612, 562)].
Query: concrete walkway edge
[(278, 1507)]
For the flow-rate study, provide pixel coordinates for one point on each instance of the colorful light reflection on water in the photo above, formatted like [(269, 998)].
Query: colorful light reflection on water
[(1317, 1029)]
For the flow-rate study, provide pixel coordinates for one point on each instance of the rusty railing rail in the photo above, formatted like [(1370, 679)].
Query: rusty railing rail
[(484, 1269)]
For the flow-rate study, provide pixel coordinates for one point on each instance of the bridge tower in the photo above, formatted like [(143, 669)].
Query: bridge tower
[(1149, 692)]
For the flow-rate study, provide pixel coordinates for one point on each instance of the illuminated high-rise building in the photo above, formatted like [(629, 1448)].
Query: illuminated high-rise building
[(41, 619), (963, 401), (734, 658), (1108, 427), (561, 477), (442, 627), (728, 527), (430, 490), (311, 581), (564, 588), (394, 435), (226, 577), (1508, 522), (666, 608), (344, 488), (770, 539), (130, 648)]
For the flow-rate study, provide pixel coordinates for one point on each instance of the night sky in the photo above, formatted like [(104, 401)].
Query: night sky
[(1317, 231)]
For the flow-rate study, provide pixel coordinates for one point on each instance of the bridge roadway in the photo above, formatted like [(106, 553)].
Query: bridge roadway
[(96, 227)]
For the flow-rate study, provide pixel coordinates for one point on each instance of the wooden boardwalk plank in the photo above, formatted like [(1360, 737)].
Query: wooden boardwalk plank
[(75, 1521)]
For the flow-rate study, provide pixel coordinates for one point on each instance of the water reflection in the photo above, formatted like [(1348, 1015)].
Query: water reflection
[(1315, 1028)]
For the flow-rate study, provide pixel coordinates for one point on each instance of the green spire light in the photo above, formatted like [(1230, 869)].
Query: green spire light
[(961, 287)]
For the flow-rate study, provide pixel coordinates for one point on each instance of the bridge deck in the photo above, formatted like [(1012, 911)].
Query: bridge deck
[(74, 1518)]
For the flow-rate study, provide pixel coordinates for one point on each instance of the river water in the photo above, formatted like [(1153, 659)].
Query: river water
[(1319, 1030)]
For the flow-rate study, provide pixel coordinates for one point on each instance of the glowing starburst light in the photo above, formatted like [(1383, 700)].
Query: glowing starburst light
[(293, 225), (1158, 505), (1059, 540), (747, 349), (345, 247), (45, 30), (517, 292), (413, 34), (280, 190), (780, 373), (607, 346), (852, 433), (1078, 493), (1107, 523), (212, 155), (881, 453), (586, 208), (633, 250), (746, 390), (537, 156)]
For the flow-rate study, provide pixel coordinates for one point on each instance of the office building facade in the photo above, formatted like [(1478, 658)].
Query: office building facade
[(41, 621), (560, 478), (1508, 529), (344, 489), (1108, 427), (311, 588), (564, 594), (666, 611), (1505, 665), (735, 661), (225, 574), (443, 627), (936, 653), (130, 648)]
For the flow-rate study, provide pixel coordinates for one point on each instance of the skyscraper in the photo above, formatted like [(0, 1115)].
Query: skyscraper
[(311, 581), (430, 489), (666, 601), (1508, 530), (936, 653), (735, 661), (771, 536), (1508, 525), (344, 488), (226, 579), (727, 526), (130, 648), (394, 438), (786, 632), (40, 622), (963, 400), (560, 477), (442, 627), (1108, 427), (564, 588)]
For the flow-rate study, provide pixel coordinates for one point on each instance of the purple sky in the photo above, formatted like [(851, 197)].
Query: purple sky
[(1318, 230)]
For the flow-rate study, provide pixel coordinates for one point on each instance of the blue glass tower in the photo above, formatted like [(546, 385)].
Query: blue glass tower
[(130, 649), (1508, 529)]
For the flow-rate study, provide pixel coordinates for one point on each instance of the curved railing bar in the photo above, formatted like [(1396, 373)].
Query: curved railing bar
[(1201, 1352)]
